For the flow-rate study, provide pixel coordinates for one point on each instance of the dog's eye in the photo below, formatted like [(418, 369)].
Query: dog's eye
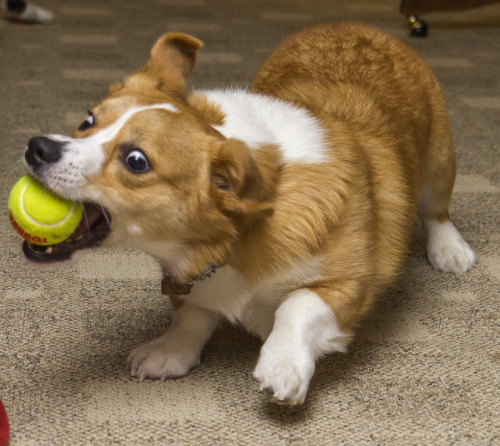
[(89, 122), (136, 161)]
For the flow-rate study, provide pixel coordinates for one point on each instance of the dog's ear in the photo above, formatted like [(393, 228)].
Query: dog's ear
[(173, 57), (244, 180)]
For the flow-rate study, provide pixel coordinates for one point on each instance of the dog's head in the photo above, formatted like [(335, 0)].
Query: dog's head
[(168, 182)]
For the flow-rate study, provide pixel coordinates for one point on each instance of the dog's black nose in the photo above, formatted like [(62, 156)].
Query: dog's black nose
[(42, 150)]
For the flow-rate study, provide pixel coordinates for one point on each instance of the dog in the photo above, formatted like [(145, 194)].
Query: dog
[(286, 208)]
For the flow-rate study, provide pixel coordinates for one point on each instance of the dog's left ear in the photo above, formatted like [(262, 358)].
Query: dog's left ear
[(172, 59), (243, 180)]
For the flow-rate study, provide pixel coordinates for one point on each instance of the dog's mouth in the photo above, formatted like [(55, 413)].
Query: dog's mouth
[(93, 228)]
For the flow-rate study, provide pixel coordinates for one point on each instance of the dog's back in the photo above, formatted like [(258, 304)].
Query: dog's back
[(368, 87)]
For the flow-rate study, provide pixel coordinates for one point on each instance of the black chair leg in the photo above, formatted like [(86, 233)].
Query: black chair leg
[(418, 28)]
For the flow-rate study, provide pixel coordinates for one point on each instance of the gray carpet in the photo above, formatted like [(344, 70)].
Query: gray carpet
[(424, 368)]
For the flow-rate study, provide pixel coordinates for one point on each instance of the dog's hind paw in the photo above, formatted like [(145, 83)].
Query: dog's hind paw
[(456, 259), (447, 251)]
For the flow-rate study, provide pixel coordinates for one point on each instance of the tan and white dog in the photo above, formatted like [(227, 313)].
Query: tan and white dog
[(285, 208)]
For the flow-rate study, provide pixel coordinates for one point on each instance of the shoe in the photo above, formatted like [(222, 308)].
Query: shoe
[(30, 14)]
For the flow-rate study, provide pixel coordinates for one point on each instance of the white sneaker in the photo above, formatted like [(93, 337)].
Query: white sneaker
[(31, 14)]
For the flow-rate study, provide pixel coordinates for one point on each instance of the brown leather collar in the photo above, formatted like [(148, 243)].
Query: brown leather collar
[(170, 286)]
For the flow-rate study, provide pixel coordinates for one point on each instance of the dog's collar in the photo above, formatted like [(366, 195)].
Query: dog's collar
[(170, 285)]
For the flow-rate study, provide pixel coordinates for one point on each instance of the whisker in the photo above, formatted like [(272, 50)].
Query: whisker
[(104, 212), (85, 217), (84, 213)]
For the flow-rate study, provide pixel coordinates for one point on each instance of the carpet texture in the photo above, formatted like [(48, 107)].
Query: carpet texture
[(424, 367)]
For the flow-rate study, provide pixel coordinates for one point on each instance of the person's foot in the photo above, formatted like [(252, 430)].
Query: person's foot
[(30, 14)]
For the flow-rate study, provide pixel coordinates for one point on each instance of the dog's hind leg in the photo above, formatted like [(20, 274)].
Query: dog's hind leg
[(447, 251)]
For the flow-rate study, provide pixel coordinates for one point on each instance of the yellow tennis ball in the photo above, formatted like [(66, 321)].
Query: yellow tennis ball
[(39, 215)]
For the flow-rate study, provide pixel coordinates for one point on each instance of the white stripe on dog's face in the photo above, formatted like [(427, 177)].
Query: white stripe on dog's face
[(83, 157), (107, 134)]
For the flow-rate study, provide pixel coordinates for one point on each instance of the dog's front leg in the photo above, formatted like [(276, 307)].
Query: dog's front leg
[(305, 328), (177, 351)]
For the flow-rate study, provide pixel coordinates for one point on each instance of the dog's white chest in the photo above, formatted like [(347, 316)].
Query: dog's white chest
[(229, 293)]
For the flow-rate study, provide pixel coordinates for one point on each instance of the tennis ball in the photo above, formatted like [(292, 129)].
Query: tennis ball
[(39, 215)]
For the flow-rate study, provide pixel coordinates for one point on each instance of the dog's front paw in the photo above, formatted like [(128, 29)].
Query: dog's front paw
[(160, 359), (284, 376)]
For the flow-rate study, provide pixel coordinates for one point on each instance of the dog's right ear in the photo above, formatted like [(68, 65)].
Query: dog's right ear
[(173, 57), (244, 183)]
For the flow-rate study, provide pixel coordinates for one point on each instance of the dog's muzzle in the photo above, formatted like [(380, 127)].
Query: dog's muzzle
[(42, 152)]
